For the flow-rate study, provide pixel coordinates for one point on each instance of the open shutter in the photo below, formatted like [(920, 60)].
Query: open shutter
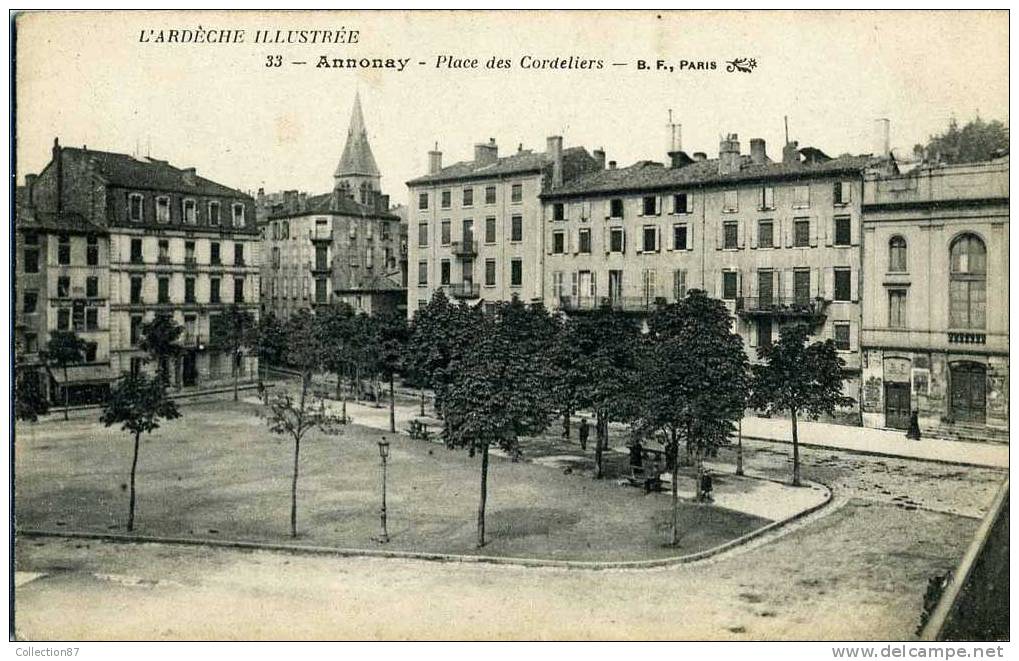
[(587, 210), (788, 282), (853, 285), (813, 231), (624, 240), (815, 283), (719, 236), (828, 283), (752, 228), (658, 237), (854, 336), (689, 236), (788, 225), (605, 237), (574, 284), (739, 284), (829, 232), (754, 278), (658, 205), (741, 233)]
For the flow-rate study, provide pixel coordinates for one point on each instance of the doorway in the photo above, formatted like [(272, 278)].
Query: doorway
[(969, 392), (897, 408), (190, 369)]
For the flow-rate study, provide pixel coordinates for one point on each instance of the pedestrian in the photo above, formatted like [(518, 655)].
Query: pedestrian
[(584, 431), (914, 426)]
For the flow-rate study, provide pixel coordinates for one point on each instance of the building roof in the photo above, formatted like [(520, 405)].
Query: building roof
[(372, 282), (521, 162), (357, 158), (149, 173), (332, 203), (649, 175), (62, 223)]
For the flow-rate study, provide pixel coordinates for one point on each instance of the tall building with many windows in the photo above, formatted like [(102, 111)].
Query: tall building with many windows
[(935, 316), (177, 243), (475, 226)]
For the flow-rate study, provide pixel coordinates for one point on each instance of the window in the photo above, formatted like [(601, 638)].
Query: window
[(238, 254), (446, 233), (64, 250), (321, 290), (765, 234), (423, 235), (801, 197), (801, 286), (135, 206), (489, 272), (650, 235), (30, 302), (214, 253), (767, 199), (445, 276), (842, 193), (843, 231), (730, 235), (238, 290), (516, 273), (92, 251), (616, 208), (92, 287), (214, 213), (369, 257), (164, 252), (679, 237), (284, 229), (92, 319), (214, 296), (321, 258), (162, 209), (164, 290), (422, 201), (490, 230), (558, 243), (136, 251), (517, 228), (468, 197), (764, 332), (584, 241), (63, 287), (189, 253), (422, 274), (517, 193), (31, 342), (558, 211), (238, 215), (136, 290), (897, 308), (730, 202), (729, 285), (617, 241), (841, 336), (189, 290), (31, 253), (490, 195), (650, 205), (189, 211), (446, 200), (801, 233), (679, 284), (682, 203), (649, 279), (765, 288), (64, 319), (897, 255), (843, 284), (968, 283)]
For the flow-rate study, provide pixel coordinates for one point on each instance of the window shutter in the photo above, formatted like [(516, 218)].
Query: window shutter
[(658, 236), (787, 229), (624, 239), (753, 228), (854, 289), (829, 231), (741, 233), (719, 236), (640, 206), (606, 239), (689, 236), (816, 283), (587, 210), (574, 284), (788, 282), (813, 232), (739, 284), (854, 343), (658, 205)]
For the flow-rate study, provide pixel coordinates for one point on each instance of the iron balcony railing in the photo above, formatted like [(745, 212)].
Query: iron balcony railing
[(467, 248), (780, 306), (464, 290), (967, 338), (321, 234), (619, 303)]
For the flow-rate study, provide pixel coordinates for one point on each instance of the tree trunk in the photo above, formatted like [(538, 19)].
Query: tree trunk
[(598, 445), (422, 401), (134, 467), (484, 494), (674, 536), (339, 385), (796, 452), (236, 357), (392, 404), (739, 448), (67, 390), (699, 458), (293, 490), (566, 424)]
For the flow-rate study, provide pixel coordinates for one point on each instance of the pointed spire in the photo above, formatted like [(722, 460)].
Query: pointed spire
[(357, 156)]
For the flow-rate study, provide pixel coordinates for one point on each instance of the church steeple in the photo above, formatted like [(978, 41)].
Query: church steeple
[(357, 174)]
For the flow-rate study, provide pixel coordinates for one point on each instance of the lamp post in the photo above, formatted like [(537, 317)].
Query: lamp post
[(384, 454)]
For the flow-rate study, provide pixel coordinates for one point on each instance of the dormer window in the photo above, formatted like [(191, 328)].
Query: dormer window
[(189, 211), (135, 207), (238, 215), (214, 213), (162, 209)]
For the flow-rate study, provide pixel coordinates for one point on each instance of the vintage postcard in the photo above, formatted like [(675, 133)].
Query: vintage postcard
[(511, 325)]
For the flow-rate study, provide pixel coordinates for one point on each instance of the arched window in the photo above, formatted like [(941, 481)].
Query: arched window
[(968, 287), (897, 255)]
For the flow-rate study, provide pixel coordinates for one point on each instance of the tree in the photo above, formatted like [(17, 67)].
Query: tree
[(390, 333), (272, 342), (976, 141), (799, 378), (29, 397), (497, 389), (296, 416), (234, 332), (65, 348), (138, 403), (334, 326), (565, 363), (693, 381), (159, 340)]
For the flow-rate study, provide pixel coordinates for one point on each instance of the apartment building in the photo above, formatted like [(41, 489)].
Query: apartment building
[(173, 243), (935, 314), (475, 226), (779, 241)]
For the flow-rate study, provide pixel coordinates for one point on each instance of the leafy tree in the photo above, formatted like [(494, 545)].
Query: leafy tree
[(694, 378), (296, 416), (799, 378), (29, 398), (335, 327), (390, 334), (497, 390), (566, 366), (138, 403), (272, 342), (64, 349), (235, 331), (976, 141), (160, 340)]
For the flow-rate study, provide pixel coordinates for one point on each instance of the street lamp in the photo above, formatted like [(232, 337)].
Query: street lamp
[(384, 454)]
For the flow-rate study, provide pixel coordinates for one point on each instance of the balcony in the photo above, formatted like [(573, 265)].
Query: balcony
[(782, 307), (319, 234), (467, 248), (967, 338), (190, 263), (162, 259), (191, 341), (634, 304), (320, 267), (464, 290)]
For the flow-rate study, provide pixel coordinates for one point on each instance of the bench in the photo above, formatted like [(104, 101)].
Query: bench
[(419, 430), (639, 477)]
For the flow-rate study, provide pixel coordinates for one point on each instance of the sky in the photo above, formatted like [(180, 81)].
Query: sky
[(89, 80)]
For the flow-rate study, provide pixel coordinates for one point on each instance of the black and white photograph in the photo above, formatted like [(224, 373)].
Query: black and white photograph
[(518, 325)]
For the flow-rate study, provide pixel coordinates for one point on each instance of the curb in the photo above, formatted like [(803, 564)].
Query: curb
[(436, 557), (875, 453)]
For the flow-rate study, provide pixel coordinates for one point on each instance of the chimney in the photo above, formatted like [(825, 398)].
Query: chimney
[(302, 201), (758, 152), (434, 160), (58, 162), (699, 156), (599, 156), (612, 165), (790, 153), (679, 159), (486, 153), (554, 152), (728, 154), (189, 176), (881, 135), (29, 185)]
